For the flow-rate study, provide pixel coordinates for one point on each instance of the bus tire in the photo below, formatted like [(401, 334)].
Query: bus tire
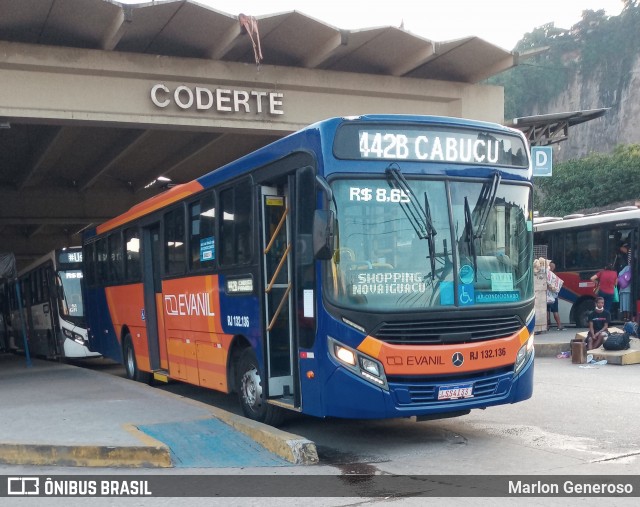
[(582, 311), (130, 363), (251, 394)]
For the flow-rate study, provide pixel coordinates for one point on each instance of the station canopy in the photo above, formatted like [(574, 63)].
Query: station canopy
[(37, 155), (547, 129)]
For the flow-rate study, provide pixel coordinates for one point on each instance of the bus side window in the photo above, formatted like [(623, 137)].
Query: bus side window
[(115, 258), (174, 237), (47, 275), (132, 257), (202, 245), (89, 264), (235, 224), (243, 223), (101, 261)]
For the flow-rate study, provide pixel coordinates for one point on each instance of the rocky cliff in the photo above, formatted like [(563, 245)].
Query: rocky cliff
[(620, 125), (594, 64)]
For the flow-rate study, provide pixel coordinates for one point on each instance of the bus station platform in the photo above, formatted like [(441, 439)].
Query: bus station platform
[(60, 414), (553, 342)]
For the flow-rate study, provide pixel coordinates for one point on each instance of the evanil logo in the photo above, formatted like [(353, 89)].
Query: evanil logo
[(188, 304)]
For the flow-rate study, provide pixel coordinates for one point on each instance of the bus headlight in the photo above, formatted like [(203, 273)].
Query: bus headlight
[(370, 366), (364, 366), (524, 354), (74, 336), (345, 355)]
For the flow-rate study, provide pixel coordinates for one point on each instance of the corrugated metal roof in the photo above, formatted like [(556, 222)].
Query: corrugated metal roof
[(187, 29), (58, 163)]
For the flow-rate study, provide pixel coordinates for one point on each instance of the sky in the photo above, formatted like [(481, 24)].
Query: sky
[(500, 22)]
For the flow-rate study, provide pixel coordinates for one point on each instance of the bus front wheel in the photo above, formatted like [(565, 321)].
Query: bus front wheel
[(251, 392)]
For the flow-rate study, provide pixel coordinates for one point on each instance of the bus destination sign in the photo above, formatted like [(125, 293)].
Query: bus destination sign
[(70, 257), (430, 144)]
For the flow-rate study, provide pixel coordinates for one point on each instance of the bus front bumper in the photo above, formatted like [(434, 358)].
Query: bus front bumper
[(349, 396)]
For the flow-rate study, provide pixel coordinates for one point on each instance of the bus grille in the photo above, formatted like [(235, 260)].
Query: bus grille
[(416, 391), (445, 331)]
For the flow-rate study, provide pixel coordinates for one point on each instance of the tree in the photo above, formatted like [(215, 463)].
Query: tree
[(595, 181)]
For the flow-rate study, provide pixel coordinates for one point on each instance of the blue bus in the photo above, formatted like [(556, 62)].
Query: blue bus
[(375, 266)]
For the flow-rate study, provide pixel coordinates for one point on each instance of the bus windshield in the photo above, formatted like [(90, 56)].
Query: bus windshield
[(71, 300), (409, 243)]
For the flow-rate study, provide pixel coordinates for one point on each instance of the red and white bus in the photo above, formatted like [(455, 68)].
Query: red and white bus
[(580, 245)]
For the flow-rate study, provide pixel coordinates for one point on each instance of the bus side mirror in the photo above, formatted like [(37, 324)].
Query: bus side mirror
[(323, 234)]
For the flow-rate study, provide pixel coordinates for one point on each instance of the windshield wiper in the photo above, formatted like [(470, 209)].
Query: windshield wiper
[(486, 200), (431, 232), (470, 236), (419, 217)]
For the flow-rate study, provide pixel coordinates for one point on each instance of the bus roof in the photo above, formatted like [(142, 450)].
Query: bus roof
[(625, 213), (52, 256), (274, 151)]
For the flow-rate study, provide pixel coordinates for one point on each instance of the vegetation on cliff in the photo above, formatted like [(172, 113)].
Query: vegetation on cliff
[(601, 50), (594, 182), (600, 45)]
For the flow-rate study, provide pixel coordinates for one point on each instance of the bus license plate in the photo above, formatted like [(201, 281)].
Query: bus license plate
[(455, 392)]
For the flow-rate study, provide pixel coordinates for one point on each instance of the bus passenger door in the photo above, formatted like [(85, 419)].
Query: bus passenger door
[(276, 249), (152, 288)]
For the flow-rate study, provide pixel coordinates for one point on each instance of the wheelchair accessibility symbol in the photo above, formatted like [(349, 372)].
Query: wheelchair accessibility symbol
[(466, 295)]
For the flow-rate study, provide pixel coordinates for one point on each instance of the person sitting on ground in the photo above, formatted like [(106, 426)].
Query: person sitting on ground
[(598, 325)]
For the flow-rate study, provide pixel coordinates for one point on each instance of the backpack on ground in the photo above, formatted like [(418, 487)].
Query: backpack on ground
[(616, 341), (631, 328)]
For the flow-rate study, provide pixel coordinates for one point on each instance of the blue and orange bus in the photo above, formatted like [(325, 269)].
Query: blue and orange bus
[(363, 267)]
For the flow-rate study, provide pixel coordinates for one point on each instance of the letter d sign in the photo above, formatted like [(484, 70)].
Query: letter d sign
[(542, 160)]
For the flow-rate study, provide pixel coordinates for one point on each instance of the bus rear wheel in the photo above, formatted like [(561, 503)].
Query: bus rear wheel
[(130, 363), (251, 392), (581, 315)]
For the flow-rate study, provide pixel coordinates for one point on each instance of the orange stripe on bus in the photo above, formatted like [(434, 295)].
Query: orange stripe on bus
[(438, 359), (144, 208)]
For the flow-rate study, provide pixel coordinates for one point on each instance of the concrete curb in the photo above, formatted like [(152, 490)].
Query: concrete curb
[(551, 349), (291, 447), (86, 455), (155, 454)]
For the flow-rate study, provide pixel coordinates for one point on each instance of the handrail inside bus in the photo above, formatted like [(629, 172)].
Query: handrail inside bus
[(279, 268), (275, 233), (279, 309)]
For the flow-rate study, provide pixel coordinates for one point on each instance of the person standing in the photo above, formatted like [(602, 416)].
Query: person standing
[(554, 284), (599, 320), (607, 279), (623, 257), (624, 282)]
